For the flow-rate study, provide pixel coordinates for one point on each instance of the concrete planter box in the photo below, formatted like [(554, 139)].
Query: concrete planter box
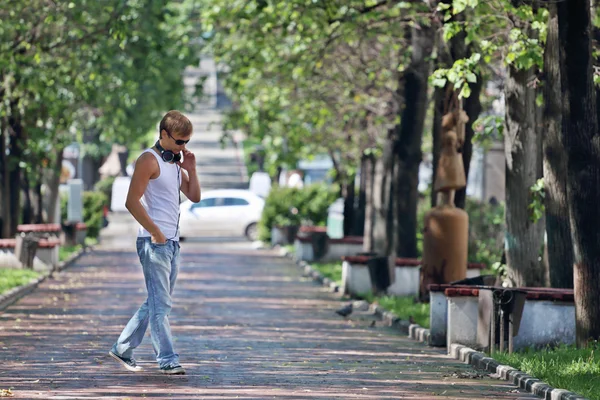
[(548, 319), (47, 252), (303, 250), (356, 278), (463, 312), (438, 315), (407, 275), (282, 235), (307, 238), (474, 269), (8, 245), (346, 246), (335, 249), (548, 316), (52, 231)]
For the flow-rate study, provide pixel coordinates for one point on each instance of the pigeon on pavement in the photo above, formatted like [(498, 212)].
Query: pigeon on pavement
[(345, 311)]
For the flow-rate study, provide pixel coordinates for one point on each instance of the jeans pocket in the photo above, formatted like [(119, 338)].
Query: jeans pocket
[(158, 245)]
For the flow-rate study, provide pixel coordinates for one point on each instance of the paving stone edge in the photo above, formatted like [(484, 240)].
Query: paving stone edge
[(457, 351), (18, 292)]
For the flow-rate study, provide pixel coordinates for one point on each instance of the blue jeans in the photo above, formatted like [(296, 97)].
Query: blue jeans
[(160, 263)]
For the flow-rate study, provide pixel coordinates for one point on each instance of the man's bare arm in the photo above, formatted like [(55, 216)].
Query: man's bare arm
[(190, 185), (145, 168)]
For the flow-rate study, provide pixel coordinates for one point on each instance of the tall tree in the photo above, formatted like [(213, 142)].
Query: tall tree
[(524, 234), (558, 230), (582, 144), (408, 138)]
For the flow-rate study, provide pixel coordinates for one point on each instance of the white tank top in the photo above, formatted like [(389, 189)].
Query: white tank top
[(161, 199)]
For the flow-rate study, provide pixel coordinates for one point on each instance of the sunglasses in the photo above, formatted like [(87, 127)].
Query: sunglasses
[(178, 142)]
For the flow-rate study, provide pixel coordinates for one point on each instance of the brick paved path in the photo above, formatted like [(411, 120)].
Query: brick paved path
[(247, 326)]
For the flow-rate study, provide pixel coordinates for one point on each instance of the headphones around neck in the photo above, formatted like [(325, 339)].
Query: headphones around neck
[(167, 155)]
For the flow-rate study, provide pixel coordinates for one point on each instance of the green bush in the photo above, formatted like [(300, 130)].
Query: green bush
[(93, 211), (486, 232), (286, 206), (105, 186)]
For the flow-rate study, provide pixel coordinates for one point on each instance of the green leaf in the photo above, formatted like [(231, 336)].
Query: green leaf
[(439, 82), (465, 91), (458, 6)]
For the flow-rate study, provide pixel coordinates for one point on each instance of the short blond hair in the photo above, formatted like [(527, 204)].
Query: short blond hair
[(175, 122)]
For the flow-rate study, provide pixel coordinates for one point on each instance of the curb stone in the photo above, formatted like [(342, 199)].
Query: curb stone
[(18, 292), (392, 319), (417, 332), (518, 378), (457, 351), (316, 276)]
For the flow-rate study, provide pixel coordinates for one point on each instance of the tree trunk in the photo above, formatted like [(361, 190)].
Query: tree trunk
[(14, 175), (523, 237), (4, 199), (386, 231), (27, 203), (407, 146), (368, 172), (559, 245), (580, 139), (472, 106), (53, 184), (359, 214), (382, 221), (39, 200), (349, 196), (379, 215), (436, 133)]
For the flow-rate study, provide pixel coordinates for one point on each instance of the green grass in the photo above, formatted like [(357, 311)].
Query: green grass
[(565, 367), (11, 278), (67, 251), (332, 270), (404, 308)]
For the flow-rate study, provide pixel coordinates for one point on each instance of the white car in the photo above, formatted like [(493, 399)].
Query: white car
[(222, 212)]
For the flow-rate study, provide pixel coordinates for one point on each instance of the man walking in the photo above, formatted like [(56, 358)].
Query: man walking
[(153, 200)]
